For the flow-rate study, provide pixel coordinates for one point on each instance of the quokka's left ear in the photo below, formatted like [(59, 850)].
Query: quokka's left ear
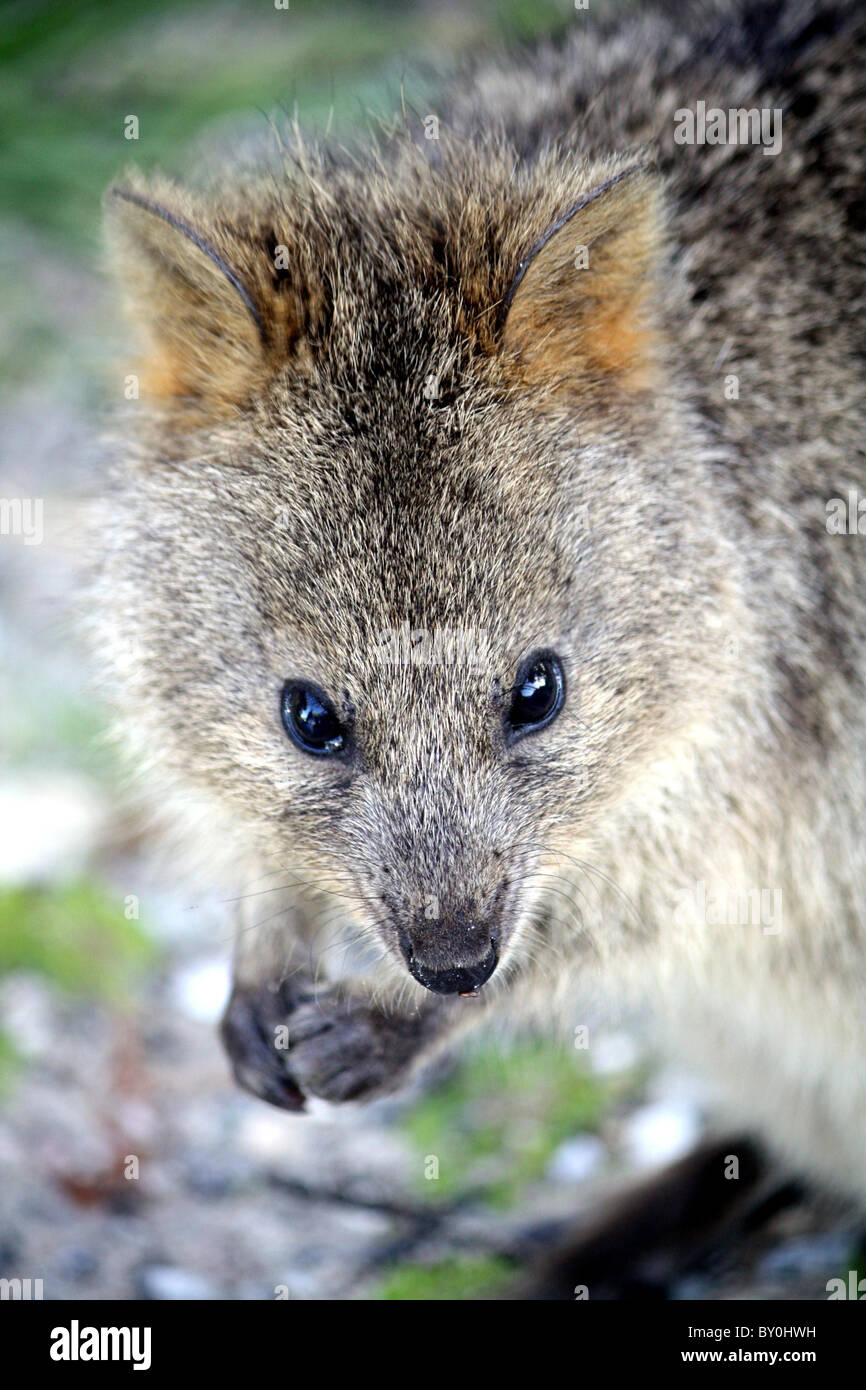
[(214, 312), (578, 310)]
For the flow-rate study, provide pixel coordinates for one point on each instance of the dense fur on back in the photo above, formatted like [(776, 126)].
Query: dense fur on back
[(388, 413)]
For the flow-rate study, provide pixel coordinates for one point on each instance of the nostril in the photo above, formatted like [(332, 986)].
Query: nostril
[(405, 945)]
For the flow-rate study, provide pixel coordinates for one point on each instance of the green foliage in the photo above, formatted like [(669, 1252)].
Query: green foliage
[(452, 1279), (73, 71), (499, 1118), (76, 935), (192, 73)]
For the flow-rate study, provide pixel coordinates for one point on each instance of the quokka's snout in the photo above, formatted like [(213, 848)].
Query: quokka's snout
[(455, 954)]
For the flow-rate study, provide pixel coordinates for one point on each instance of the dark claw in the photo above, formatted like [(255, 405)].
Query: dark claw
[(338, 1048), (258, 1066)]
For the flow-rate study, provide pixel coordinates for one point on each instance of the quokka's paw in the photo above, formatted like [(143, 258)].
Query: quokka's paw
[(289, 1041)]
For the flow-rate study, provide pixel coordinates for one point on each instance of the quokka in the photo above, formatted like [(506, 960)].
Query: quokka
[(563, 379)]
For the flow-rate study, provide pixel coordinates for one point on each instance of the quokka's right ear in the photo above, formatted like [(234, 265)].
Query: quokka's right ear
[(213, 315)]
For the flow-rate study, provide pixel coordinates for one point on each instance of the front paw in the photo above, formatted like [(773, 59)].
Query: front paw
[(292, 1040)]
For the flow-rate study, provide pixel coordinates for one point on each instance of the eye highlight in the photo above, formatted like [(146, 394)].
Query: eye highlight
[(311, 721), (537, 696)]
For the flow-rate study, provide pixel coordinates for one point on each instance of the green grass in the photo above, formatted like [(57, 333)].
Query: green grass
[(451, 1279), (72, 71), (43, 725), (497, 1121), (76, 935), (493, 1126), (190, 70)]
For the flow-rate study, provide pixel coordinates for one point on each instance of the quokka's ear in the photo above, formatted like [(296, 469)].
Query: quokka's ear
[(578, 309), (202, 297)]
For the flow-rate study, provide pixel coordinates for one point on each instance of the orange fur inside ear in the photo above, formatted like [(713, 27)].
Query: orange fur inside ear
[(201, 349), (169, 375), (569, 323), (200, 344)]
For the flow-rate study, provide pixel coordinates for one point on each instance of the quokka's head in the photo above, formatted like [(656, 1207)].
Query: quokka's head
[(405, 565)]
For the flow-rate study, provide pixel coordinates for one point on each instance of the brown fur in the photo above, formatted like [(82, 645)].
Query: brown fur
[(575, 480), (565, 326)]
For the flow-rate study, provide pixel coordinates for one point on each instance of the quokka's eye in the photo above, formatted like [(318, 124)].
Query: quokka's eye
[(311, 722), (538, 694)]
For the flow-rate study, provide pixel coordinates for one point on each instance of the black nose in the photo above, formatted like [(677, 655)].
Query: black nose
[(458, 979)]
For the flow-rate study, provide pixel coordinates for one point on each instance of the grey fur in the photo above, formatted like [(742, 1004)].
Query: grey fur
[(297, 500)]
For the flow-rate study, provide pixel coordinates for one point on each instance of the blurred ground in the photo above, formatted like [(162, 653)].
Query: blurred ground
[(130, 1165)]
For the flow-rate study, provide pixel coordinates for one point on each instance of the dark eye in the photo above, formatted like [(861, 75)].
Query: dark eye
[(538, 694), (311, 722)]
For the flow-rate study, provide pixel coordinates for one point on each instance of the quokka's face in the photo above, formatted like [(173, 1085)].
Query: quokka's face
[(414, 640), (370, 658)]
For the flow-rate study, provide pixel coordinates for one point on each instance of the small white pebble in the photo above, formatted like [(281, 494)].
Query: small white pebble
[(660, 1133), (201, 990), (613, 1053), (577, 1159), (167, 1284)]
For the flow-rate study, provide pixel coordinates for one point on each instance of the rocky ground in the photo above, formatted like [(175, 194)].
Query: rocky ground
[(133, 1170)]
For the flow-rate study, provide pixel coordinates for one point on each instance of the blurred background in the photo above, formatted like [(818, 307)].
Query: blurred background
[(130, 1167)]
